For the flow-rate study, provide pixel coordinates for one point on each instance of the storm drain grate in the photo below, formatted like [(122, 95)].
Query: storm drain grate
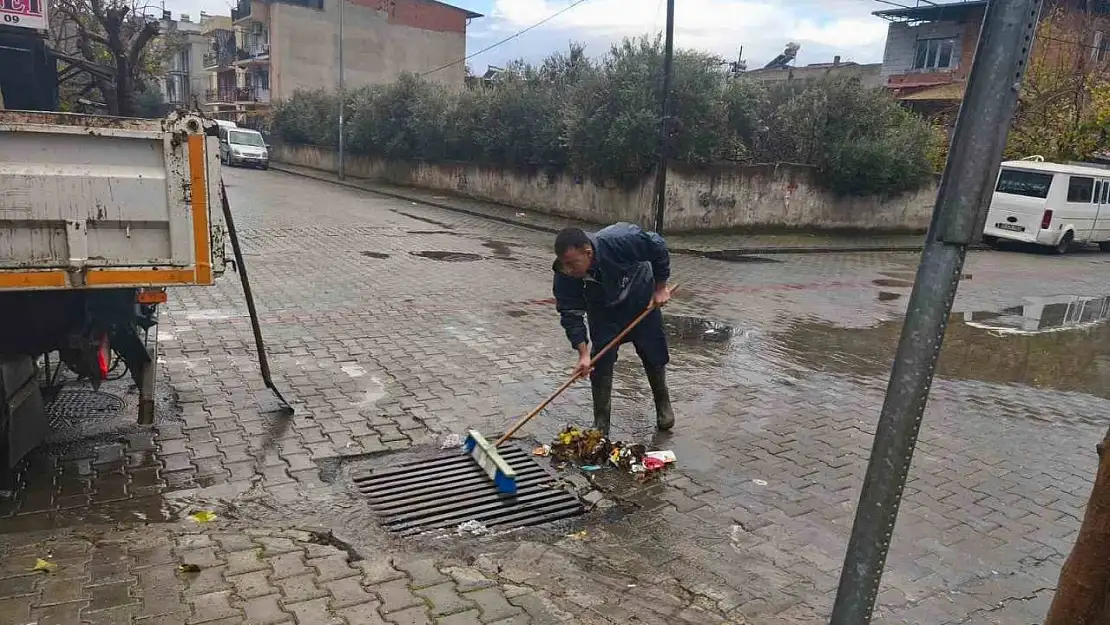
[(446, 492), (72, 405)]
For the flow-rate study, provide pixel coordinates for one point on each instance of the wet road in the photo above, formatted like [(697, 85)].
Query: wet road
[(395, 324)]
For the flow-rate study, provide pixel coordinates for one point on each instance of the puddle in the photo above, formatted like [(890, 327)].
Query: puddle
[(1060, 343), (516, 314), (426, 220), (682, 328), (892, 283), (887, 296), (500, 249), (451, 257), (375, 255)]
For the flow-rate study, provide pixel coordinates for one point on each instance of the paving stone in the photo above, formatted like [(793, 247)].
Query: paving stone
[(411, 616), (239, 562), (211, 606), (347, 592), (395, 596), (264, 610), (289, 564), (376, 570), (472, 617), (315, 612), (332, 567), (444, 599), (251, 585), (422, 572), (365, 614), (299, 588), (493, 604)]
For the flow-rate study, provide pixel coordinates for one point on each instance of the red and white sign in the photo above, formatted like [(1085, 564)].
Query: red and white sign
[(23, 13)]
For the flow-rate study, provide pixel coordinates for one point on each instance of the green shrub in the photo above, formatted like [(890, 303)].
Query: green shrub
[(601, 119)]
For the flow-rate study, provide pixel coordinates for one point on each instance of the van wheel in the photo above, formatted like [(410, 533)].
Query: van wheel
[(1065, 244), (990, 241), (1104, 246)]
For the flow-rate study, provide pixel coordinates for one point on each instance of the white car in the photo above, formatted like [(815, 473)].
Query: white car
[(241, 146)]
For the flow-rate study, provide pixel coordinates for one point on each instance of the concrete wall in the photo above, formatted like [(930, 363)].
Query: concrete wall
[(868, 75), (726, 197), (380, 43), (901, 44)]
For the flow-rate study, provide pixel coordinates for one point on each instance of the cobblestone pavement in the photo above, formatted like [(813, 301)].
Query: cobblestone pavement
[(388, 345)]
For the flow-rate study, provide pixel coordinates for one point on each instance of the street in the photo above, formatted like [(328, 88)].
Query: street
[(392, 325)]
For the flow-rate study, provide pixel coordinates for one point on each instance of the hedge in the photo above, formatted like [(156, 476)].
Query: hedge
[(600, 118)]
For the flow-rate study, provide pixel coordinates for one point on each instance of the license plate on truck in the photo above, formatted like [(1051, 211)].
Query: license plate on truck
[(1010, 227)]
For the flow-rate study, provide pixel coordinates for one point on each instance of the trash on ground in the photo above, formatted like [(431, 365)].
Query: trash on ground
[(759, 482), (202, 516), (189, 568), (666, 455), (473, 527), (43, 566), (578, 535), (591, 450), (452, 441), (542, 451)]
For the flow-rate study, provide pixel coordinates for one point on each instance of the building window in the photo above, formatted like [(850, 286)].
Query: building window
[(934, 54), (1101, 48)]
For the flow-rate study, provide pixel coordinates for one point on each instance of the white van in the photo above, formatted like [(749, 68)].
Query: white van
[(1050, 204), (242, 146)]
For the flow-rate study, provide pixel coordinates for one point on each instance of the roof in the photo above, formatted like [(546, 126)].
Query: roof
[(469, 14), (1057, 168), (950, 91), (933, 12)]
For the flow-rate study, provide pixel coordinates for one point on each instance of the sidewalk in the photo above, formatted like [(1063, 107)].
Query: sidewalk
[(721, 246)]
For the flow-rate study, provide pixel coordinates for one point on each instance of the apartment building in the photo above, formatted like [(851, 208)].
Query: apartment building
[(275, 47), (184, 82), (929, 47)]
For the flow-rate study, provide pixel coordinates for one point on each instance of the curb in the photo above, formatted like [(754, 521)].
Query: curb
[(721, 254)]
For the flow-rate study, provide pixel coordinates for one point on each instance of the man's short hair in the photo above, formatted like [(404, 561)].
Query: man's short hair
[(568, 238)]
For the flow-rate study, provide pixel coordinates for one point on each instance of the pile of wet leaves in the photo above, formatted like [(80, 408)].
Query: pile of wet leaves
[(591, 450)]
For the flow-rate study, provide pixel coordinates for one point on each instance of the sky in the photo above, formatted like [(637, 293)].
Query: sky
[(823, 28)]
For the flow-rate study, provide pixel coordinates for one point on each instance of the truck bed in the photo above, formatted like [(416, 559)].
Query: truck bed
[(102, 202)]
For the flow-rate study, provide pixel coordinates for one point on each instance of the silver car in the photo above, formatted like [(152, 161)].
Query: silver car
[(239, 146)]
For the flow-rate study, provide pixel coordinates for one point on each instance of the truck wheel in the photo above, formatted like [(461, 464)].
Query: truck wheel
[(1065, 244)]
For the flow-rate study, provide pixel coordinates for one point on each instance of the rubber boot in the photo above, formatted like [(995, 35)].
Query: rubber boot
[(664, 414), (602, 387)]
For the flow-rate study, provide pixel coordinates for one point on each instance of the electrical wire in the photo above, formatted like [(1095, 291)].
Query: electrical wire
[(509, 38)]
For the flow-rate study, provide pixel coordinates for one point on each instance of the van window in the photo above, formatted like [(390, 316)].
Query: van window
[(1080, 188), (1027, 183), (1105, 190), (240, 137)]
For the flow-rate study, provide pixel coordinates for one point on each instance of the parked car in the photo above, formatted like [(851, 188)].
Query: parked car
[(242, 146), (1050, 204)]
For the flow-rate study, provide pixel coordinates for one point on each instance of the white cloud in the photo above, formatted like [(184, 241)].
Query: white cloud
[(763, 27)]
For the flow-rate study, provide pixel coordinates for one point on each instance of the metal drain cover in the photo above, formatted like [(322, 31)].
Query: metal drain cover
[(446, 492), (72, 405)]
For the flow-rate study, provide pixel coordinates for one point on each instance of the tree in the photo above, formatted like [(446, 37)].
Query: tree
[(116, 35), (1083, 592), (1064, 109)]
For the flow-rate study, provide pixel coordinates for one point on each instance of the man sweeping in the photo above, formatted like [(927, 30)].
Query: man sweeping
[(605, 279)]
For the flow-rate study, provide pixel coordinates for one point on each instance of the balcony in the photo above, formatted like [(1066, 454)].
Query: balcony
[(254, 53), (237, 95)]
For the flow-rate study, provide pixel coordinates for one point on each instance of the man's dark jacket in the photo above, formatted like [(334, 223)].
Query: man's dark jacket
[(628, 262)]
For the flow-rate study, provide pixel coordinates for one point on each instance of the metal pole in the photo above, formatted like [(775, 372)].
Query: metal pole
[(988, 108), (664, 122), (342, 99)]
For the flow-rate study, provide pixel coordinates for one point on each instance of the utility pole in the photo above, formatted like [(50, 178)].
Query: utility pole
[(973, 160), (664, 122), (342, 98)]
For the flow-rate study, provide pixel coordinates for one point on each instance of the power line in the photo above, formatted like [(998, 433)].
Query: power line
[(509, 38)]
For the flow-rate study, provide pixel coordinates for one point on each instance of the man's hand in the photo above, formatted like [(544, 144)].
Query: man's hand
[(582, 367), (662, 296)]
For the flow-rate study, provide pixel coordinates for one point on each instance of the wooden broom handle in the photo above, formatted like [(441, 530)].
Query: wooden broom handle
[(574, 378)]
